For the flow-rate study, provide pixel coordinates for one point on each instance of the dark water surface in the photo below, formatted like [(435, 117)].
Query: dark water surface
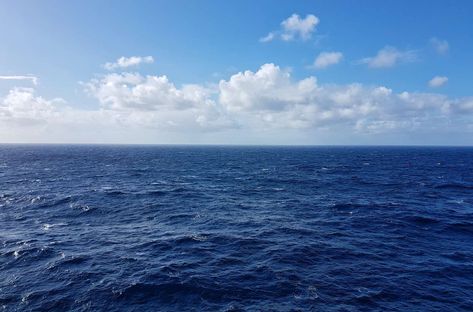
[(161, 228)]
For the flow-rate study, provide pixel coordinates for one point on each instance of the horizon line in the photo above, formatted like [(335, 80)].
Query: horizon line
[(231, 144)]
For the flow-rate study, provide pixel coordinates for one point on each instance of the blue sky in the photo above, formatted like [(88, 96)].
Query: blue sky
[(389, 72)]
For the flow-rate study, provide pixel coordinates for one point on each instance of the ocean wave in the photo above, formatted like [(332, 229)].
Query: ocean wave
[(58, 201), (208, 230), (454, 186), (422, 220), (464, 227)]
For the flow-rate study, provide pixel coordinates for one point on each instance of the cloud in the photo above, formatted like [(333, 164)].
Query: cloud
[(124, 62), (464, 106), (33, 79), (269, 37), (438, 81), (134, 91), (388, 57), (267, 100), (126, 101), (440, 46), (293, 28), (268, 89), (270, 98), (156, 101), (325, 59), (22, 105)]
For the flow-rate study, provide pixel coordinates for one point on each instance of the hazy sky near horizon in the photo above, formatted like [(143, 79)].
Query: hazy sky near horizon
[(237, 72)]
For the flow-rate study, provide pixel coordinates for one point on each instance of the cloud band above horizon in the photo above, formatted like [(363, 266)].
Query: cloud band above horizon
[(267, 99)]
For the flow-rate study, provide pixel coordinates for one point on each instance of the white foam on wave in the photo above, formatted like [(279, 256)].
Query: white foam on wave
[(198, 237), (83, 207), (36, 199), (159, 182), (366, 292), (47, 226), (457, 201)]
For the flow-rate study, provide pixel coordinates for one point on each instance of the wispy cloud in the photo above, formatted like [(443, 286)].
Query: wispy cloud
[(124, 62), (293, 28), (389, 57), (269, 37), (326, 59), (33, 79), (440, 46), (438, 81)]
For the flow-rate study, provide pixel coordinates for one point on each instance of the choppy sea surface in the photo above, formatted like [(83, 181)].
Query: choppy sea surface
[(189, 228)]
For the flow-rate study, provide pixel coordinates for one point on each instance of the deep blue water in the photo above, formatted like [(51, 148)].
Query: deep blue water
[(162, 228)]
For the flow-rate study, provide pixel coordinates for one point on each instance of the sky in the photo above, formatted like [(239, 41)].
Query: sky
[(237, 72)]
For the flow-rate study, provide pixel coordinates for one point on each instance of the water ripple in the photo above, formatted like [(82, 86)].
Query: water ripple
[(115, 228)]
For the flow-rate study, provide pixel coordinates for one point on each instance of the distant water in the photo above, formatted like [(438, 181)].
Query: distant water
[(159, 228)]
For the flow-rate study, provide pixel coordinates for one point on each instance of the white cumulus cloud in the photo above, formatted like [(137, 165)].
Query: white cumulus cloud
[(155, 99), (268, 89), (134, 91), (294, 27), (269, 97), (124, 62), (24, 106), (388, 57), (438, 81), (326, 59)]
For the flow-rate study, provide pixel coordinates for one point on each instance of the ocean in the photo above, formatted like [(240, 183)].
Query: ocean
[(227, 228)]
